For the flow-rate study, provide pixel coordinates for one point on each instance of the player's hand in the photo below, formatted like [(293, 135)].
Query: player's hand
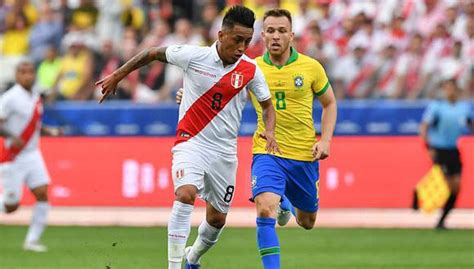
[(109, 86), (17, 142), (272, 145), (321, 150), (55, 131), (179, 96)]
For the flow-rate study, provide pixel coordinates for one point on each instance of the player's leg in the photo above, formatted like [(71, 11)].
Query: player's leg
[(285, 211), (188, 180), (452, 168), (208, 233), (11, 178), (218, 193), (37, 181), (268, 185), (302, 190)]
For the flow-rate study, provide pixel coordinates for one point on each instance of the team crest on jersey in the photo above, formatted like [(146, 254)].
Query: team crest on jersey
[(298, 81), (236, 80), (254, 181), (179, 173)]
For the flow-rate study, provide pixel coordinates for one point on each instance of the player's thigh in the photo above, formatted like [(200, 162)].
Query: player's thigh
[(268, 175), (219, 182), (302, 186), (38, 177), (188, 169), (12, 176)]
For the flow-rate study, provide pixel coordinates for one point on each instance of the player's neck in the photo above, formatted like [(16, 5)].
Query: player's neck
[(281, 59), (28, 89)]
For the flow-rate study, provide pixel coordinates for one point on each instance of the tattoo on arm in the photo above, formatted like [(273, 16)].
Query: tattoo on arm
[(143, 58)]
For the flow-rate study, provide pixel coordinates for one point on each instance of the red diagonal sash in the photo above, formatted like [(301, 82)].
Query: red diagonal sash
[(206, 107), (363, 74), (9, 153)]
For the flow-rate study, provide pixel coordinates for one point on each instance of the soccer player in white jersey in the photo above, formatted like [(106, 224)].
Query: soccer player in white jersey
[(20, 159), (204, 156)]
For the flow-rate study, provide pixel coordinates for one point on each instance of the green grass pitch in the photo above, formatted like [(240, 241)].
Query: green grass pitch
[(124, 247)]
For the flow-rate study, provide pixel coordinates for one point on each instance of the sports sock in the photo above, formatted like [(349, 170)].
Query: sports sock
[(268, 244), (38, 222), (286, 205), (2, 204), (179, 227), (207, 237), (447, 208)]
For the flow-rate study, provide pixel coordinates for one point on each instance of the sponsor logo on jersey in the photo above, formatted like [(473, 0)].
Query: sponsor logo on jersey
[(298, 81), (236, 80)]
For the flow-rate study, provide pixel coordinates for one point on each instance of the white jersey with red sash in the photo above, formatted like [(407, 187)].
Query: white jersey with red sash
[(21, 112), (211, 109)]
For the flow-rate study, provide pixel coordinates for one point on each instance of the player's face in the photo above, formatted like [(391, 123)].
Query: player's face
[(449, 90), (25, 75), (277, 35), (234, 42)]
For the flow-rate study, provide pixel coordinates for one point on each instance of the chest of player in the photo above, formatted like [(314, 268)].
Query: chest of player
[(289, 88)]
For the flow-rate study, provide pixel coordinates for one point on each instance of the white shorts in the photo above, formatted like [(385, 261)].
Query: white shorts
[(213, 174), (29, 169)]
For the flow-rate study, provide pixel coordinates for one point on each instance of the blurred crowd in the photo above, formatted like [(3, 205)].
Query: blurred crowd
[(369, 48)]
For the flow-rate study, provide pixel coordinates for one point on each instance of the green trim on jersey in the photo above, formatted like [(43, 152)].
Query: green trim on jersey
[(293, 58), (325, 88), (269, 251)]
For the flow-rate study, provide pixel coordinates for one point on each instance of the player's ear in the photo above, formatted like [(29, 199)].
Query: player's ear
[(220, 35), (292, 36)]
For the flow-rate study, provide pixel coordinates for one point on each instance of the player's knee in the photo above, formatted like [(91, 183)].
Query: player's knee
[(186, 195), (265, 209), (308, 222), (11, 208)]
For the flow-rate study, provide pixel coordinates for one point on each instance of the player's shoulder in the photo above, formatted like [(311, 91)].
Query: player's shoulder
[(11, 94), (306, 60), (249, 60)]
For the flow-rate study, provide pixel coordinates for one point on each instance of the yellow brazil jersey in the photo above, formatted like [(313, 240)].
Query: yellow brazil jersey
[(293, 88)]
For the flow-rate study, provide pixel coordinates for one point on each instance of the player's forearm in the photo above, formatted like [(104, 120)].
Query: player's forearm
[(424, 131), (268, 115), (143, 58), (328, 121)]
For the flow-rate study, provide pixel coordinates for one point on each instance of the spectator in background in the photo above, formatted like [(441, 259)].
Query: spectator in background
[(74, 81), (322, 50), (385, 76), (85, 16), (15, 39), (412, 70), (354, 73), (48, 71), (45, 33), (132, 17), (109, 14)]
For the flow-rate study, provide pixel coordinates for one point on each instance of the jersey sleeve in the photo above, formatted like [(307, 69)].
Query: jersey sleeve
[(258, 86), (180, 55), (321, 82), (430, 113)]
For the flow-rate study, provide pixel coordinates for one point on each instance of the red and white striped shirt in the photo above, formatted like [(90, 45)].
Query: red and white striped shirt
[(211, 109), (21, 112)]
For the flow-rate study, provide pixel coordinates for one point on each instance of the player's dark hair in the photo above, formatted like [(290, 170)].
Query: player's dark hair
[(278, 12), (239, 15)]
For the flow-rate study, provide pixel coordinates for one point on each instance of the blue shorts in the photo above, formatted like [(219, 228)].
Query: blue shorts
[(298, 180)]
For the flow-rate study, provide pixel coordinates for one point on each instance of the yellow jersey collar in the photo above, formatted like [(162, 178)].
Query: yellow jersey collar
[(293, 57)]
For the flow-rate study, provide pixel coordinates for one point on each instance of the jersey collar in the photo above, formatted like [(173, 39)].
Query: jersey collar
[(214, 52), (293, 57)]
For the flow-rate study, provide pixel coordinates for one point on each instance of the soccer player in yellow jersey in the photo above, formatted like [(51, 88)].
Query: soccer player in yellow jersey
[(292, 177)]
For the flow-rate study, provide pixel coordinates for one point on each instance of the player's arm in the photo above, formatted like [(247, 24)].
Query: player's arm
[(16, 141), (109, 83), (269, 119), (51, 131), (429, 118), (328, 123)]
